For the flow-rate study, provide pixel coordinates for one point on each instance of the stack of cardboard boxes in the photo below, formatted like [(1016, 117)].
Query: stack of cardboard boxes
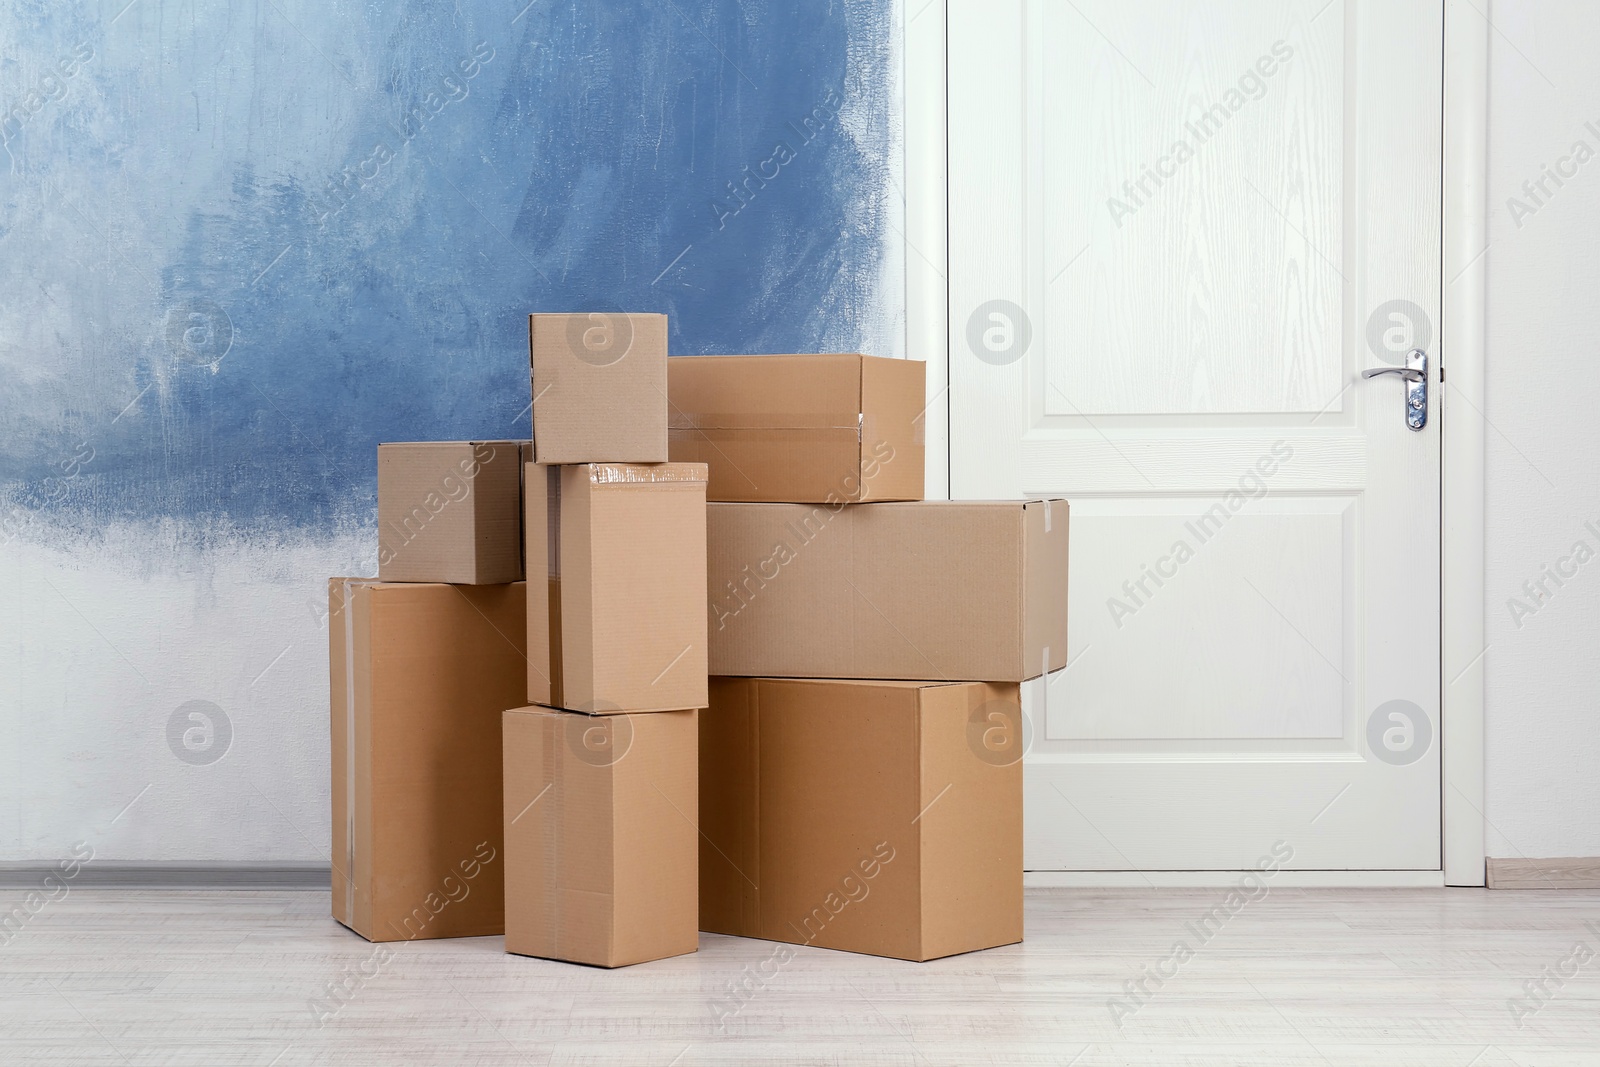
[(601, 788), (860, 758), (791, 713)]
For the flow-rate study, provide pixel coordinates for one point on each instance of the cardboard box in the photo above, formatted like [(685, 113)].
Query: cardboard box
[(938, 589), (599, 388), (420, 674), (877, 817), (616, 572), (804, 429), (601, 825), (450, 511)]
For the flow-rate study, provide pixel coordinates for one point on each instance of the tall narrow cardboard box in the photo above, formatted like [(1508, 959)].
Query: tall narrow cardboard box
[(601, 819), (420, 674), (616, 586)]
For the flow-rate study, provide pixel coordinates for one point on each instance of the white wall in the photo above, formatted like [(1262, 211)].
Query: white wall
[(104, 640), (218, 621), (110, 638), (1543, 669)]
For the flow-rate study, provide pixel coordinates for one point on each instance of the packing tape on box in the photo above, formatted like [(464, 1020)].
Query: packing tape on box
[(552, 729), (1044, 681), (552, 540), (645, 473), (788, 434), (777, 420), (552, 512), (778, 426), (346, 607)]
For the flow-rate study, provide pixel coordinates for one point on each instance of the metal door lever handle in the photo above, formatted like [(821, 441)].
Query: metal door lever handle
[(1415, 374), (1408, 373)]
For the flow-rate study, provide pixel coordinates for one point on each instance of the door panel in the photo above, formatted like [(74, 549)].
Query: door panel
[(1207, 296), (1178, 233)]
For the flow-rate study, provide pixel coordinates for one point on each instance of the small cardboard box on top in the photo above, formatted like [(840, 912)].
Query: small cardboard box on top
[(599, 388), (601, 818), (419, 676), (873, 816), (450, 511), (802, 429), (616, 556), (933, 589)]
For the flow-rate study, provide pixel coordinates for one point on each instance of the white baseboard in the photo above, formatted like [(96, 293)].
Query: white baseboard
[(1211, 879), (98, 875)]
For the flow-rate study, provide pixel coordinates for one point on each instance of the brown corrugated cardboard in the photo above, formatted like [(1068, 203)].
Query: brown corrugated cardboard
[(450, 511), (420, 674), (616, 572), (805, 429), (937, 589), (877, 817), (601, 824), (599, 388)]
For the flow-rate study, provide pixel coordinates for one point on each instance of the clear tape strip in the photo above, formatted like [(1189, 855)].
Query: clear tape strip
[(645, 473), (775, 420), (350, 753)]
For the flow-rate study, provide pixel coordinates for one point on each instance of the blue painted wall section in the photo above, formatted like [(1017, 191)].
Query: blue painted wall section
[(243, 242)]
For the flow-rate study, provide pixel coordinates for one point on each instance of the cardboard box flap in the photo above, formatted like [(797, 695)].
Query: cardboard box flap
[(969, 863), (730, 810), (1044, 618), (893, 406)]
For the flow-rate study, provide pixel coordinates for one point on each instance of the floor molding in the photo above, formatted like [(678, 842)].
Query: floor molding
[(198, 876), (1213, 879), (1581, 872)]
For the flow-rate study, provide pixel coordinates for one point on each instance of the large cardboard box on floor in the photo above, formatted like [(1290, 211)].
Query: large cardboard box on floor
[(450, 511), (804, 429), (879, 817), (599, 388), (601, 832), (616, 577), (420, 674), (936, 589)]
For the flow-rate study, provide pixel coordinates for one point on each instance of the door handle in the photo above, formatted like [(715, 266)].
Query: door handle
[(1415, 374)]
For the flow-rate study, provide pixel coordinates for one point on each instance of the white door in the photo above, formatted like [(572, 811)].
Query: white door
[(1179, 230)]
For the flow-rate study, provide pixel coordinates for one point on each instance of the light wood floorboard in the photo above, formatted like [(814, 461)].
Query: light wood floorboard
[(1381, 977)]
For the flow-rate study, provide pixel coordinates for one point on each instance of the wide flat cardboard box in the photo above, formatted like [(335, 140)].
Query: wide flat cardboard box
[(450, 511), (936, 589), (599, 388), (616, 573), (803, 429), (601, 831), (420, 674), (878, 817)]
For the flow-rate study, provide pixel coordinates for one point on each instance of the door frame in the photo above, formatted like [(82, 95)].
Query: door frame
[(925, 84)]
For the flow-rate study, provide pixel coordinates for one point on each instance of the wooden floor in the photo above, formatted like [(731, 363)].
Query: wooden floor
[(1380, 977)]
